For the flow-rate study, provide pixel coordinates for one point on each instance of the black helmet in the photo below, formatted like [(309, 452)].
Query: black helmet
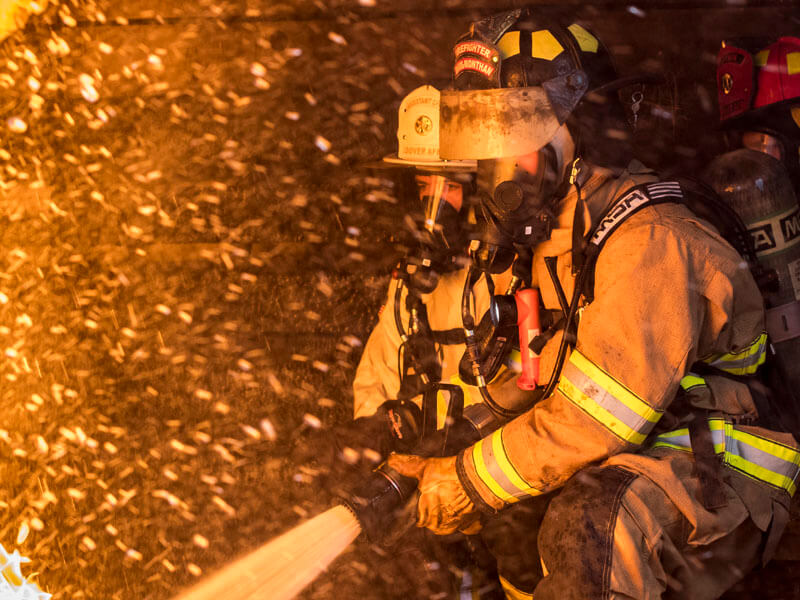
[(528, 87), (568, 77)]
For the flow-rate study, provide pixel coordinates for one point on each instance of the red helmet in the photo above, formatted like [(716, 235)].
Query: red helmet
[(754, 81)]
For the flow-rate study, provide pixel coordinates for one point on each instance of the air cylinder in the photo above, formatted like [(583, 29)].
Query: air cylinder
[(758, 187)]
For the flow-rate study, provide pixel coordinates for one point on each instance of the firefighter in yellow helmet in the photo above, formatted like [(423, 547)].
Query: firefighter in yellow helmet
[(668, 482), (418, 342)]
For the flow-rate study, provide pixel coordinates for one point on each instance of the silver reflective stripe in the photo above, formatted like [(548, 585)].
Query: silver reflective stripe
[(497, 473), (751, 358), (606, 400), (760, 457), (743, 363), (680, 439)]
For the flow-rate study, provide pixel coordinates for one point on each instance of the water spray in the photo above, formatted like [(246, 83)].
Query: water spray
[(281, 568)]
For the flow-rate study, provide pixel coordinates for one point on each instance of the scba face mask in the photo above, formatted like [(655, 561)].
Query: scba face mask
[(518, 198), (448, 219), (443, 200)]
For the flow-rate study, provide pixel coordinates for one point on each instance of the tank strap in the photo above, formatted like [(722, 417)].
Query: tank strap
[(631, 202), (783, 322)]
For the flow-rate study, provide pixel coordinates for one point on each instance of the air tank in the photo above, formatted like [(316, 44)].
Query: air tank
[(758, 187)]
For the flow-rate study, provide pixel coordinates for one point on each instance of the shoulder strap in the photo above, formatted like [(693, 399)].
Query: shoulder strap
[(631, 202)]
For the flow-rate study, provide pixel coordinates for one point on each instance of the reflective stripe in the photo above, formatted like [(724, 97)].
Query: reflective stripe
[(692, 381), (544, 45), (606, 400), (586, 41), (755, 456), (679, 439), (763, 459), (513, 593), (465, 589), (509, 44), (496, 471), (792, 63), (744, 362)]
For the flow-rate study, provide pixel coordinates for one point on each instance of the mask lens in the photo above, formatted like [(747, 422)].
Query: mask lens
[(436, 192), (763, 142)]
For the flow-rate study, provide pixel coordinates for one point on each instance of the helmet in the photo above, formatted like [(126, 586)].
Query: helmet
[(529, 90), (442, 186), (518, 79), (750, 81), (758, 93), (418, 134)]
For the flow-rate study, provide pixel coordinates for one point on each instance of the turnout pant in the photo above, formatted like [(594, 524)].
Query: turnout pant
[(613, 534)]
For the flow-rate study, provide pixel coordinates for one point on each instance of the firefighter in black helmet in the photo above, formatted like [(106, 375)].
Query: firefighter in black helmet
[(638, 425)]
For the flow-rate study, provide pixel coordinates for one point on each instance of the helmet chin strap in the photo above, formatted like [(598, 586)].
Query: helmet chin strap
[(565, 149)]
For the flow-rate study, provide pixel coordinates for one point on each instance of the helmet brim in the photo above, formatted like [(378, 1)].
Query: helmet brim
[(465, 166), (495, 123)]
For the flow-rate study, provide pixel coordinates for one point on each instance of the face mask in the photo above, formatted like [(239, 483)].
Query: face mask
[(443, 199), (763, 142), (443, 236), (516, 207)]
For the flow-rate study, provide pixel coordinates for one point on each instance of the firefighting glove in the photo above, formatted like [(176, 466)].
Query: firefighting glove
[(443, 505)]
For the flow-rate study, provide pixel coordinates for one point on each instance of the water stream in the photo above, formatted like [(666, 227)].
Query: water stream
[(281, 568)]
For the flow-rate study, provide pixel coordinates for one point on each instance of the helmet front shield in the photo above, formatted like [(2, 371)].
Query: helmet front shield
[(504, 122)]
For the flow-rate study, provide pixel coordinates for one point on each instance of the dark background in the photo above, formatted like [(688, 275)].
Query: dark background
[(198, 264)]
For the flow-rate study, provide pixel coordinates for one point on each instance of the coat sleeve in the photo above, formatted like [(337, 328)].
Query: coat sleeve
[(377, 377), (635, 342)]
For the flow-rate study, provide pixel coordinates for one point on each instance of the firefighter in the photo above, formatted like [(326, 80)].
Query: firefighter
[(402, 355), (667, 481), (758, 92), (418, 340)]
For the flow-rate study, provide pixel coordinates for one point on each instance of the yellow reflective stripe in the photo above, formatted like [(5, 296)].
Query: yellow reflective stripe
[(719, 425), (509, 44), (505, 465), (679, 438), (495, 470), (544, 45), (773, 448), (599, 413), (513, 593), (674, 433), (483, 474), (759, 472), (613, 387), (586, 41), (662, 444), (691, 381), (792, 63), (744, 362), (759, 458), (760, 59), (514, 362)]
